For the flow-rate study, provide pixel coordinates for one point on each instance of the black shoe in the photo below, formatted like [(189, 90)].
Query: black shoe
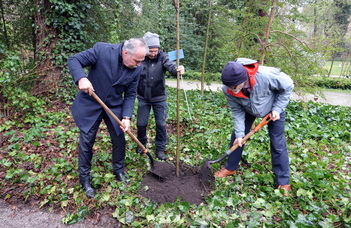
[(121, 176), (139, 150), (89, 190), (161, 155)]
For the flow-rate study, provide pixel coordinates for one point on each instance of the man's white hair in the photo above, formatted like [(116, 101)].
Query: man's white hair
[(134, 43)]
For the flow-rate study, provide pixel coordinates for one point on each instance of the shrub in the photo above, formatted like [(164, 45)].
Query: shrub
[(195, 75), (332, 83)]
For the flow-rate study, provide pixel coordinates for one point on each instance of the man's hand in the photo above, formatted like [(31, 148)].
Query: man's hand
[(275, 116), (85, 85), (238, 141), (181, 69), (126, 123)]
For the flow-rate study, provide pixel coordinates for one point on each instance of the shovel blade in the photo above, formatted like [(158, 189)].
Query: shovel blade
[(152, 161), (206, 177), (162, 170)]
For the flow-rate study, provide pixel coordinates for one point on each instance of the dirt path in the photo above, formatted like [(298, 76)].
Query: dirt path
[(333, 98), (23, 216)]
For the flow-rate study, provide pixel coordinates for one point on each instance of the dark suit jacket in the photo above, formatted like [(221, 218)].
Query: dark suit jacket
[(114, 83)]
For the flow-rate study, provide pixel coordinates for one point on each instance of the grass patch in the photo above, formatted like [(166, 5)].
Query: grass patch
[(337, 68)]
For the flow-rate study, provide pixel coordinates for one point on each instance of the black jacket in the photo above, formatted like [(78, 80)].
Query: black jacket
[(152, 86)]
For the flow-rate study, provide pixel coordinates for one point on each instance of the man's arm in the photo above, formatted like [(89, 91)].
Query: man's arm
[(238, 114), (78, 62), (281, 84)]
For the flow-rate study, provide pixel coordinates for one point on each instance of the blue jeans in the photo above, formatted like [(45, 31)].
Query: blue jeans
[(279, 151), (160, 113)]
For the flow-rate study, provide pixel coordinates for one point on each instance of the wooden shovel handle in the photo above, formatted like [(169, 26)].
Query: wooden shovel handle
[(107, 109)]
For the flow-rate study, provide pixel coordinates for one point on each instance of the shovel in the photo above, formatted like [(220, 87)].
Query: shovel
[(152, 161), (205, 169)]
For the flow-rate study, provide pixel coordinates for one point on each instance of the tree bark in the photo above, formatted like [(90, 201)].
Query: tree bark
[(268, 31), (205, 49), (176, 5), (7, 43), (46, 40)]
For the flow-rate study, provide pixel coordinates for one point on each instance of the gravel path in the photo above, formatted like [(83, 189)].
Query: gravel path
[(333, 98)]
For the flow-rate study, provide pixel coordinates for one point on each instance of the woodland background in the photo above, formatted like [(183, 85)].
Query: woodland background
[(307, 39), (298, 36)]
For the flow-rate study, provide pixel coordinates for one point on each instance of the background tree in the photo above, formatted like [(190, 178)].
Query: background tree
[(46, 32), (330, 22)]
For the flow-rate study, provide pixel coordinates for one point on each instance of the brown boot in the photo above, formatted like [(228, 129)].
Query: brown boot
[(286, 189), (224, 172)]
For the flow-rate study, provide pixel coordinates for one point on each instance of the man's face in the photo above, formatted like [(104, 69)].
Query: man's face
[(152, 53), (133, 61), (236, 89)]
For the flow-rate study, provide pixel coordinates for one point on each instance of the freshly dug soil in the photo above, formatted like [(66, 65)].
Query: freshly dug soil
[(166, 186)]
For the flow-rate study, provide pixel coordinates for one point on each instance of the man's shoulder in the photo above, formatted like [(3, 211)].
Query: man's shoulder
[(270, 74), (267, 71), (162, 54), (245, 61), (106, 45)]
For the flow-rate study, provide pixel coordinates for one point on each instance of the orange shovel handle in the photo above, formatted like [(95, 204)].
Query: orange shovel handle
[(263, 122)]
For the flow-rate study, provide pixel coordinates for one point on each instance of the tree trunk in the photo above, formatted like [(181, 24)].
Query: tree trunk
[(268, 31), (205, 49), (176, 5), (46, 40), (331, 65), (314, 21), (7, 43)]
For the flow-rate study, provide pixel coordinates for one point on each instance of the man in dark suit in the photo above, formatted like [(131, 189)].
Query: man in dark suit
[(113, 76)]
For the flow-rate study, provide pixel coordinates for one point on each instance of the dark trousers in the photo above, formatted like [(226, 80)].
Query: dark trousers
[(160, 113), (86, 142), (279, 151)]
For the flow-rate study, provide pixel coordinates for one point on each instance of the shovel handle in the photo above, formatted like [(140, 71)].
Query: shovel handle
[(107, 109), (263, 122)]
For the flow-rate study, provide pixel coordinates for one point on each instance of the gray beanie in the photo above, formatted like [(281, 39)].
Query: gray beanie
[(234, 74), (152, 40)]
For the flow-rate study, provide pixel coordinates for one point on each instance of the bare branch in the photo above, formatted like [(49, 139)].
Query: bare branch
[(295, 38)]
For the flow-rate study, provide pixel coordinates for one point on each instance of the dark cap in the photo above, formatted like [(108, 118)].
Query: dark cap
[(234, 74)]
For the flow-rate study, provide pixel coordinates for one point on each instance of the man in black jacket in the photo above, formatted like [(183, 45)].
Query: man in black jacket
[(151, 93)]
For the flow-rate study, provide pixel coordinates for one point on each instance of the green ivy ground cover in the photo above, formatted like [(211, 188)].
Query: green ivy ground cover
[(38, 162)]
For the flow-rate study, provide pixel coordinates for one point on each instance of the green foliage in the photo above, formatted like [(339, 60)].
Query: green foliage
[(331, 82), (76, 217), (193, 18), (38, 149), (194, 75), (80, 24), (23, 102), (236, 30), (42, 159), (16, 78)]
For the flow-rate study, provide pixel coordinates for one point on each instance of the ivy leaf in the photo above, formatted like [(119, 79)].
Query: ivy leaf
[(303, 192)]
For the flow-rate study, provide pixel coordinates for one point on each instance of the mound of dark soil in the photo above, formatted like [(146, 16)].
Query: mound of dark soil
[(166, 186)]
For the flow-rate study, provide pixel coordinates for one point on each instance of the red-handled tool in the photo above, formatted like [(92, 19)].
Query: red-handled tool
[(205, 169)]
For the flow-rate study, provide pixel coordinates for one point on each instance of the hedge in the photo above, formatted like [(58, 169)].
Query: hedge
[(322, 81)]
